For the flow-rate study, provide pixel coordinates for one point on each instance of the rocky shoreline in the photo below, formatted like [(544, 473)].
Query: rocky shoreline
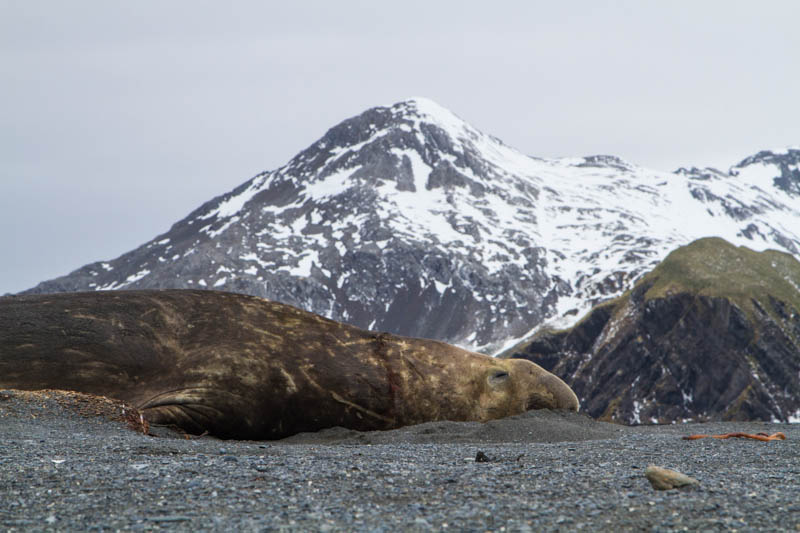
[(65, 469)]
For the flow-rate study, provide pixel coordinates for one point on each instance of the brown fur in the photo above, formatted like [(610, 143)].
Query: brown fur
[(243, 367)]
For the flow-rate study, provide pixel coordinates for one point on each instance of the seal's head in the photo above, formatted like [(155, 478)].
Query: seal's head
[(445, 382), (513, 386)]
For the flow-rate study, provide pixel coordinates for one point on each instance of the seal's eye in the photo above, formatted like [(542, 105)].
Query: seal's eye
[(497, 377)]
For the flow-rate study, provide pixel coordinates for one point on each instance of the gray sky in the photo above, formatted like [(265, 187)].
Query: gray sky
[(119, 118)]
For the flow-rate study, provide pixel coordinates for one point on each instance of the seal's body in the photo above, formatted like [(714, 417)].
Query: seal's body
[(242, 367)]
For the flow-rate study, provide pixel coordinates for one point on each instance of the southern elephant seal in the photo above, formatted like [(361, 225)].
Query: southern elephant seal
[(242, 367)]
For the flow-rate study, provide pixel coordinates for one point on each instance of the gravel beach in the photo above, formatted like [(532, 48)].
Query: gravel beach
[(68, 467)]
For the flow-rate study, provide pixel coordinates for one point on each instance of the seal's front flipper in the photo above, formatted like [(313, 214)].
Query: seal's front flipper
[(197, 411), (188, 418)]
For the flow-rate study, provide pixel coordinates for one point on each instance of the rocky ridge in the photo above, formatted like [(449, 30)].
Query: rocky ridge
[(712, 333)]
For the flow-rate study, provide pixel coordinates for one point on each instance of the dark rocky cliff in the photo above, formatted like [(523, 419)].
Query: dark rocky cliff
[(712, 333)]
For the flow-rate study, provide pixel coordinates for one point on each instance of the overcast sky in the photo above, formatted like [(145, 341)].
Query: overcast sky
[(119, 118)]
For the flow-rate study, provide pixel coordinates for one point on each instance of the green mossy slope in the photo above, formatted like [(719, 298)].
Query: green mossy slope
[(713, 332), (716, 268)]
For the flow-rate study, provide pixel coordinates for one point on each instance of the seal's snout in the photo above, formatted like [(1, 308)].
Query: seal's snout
[(563, 395), (547, 391)]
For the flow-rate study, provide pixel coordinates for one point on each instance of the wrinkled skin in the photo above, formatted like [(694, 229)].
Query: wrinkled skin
[(242, 367)]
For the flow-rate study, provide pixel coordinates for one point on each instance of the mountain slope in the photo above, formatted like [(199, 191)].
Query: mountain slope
[(713, 332), (409, 220)]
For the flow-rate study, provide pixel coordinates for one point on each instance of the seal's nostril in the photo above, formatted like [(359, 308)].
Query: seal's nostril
[(537, 402), (498, 377)]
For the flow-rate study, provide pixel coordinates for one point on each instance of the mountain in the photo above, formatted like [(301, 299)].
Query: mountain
[(409, 220), (712, 333)]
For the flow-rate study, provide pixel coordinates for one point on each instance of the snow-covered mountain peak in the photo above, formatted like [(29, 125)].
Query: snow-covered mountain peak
[(432, 112), (767, 168), (406, 218), (427, 111)]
